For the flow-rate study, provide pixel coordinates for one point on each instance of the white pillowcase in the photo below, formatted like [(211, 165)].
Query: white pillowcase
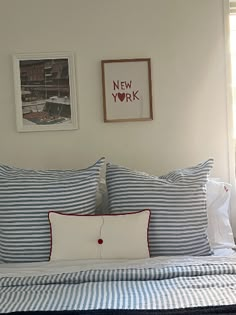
[(119, 236), (219, 230), (102, 206)]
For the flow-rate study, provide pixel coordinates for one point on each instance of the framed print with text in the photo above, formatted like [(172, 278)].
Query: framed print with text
[(127, 90)]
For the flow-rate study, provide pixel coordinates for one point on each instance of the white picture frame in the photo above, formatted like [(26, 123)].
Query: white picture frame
[(45, 91)]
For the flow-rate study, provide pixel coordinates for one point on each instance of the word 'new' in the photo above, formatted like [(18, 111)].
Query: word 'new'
[(122, 85)]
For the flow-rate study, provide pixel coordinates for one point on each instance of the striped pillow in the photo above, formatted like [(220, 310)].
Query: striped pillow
[(177, 202), (26, 198)]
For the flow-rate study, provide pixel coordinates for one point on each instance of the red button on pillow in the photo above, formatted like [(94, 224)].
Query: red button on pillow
[(100, 241)]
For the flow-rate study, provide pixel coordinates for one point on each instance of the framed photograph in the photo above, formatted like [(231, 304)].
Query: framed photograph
[(45, 92), (127, 90)]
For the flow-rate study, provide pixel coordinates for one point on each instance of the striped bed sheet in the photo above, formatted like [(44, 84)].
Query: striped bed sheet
[(161, 283)]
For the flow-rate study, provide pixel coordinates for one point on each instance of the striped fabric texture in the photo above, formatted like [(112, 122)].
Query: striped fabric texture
[(177, 202), (26, 197), (148, 288)]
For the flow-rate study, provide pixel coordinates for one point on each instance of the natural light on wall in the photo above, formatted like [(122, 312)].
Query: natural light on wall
[(233, 57)]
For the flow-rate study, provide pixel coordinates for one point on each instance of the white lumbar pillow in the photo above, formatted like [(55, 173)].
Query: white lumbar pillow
[(119, 236)]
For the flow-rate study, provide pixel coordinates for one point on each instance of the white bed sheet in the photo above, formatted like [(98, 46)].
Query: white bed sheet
[(225, 252), (64, 266)]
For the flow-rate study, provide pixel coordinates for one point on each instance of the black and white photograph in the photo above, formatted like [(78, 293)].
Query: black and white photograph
[(45, 92)]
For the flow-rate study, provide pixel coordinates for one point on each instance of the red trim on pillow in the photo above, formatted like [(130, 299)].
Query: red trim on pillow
[(98, 215), (50, 226)]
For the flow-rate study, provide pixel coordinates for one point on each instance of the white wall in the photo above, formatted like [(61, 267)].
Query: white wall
[(185, 41)]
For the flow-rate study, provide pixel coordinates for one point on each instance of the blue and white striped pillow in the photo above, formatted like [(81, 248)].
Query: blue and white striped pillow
[(26, 197), (177, 202)]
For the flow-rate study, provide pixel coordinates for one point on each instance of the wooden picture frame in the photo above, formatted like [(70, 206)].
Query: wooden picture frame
[(127, 90), (45, 91)]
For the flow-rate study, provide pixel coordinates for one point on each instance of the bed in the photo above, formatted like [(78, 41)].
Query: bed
[(164, 246)]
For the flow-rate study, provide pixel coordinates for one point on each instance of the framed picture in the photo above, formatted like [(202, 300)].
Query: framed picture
[(45, 92), (127, 90)]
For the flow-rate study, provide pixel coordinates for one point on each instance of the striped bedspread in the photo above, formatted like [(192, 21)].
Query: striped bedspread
[(156, 283)]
